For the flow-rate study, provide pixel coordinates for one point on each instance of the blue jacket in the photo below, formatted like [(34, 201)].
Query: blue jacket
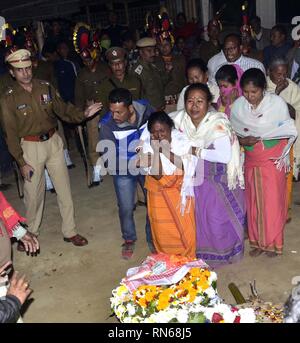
[(124, 137), (65, 73)]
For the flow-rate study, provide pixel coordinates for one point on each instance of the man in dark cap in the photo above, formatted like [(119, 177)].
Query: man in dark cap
[(28, 116), (120, 78), (86, 92), (153, 79)]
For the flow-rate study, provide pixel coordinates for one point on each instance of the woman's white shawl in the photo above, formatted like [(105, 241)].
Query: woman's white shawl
[(180, 146), (270, 120), (213, 126)]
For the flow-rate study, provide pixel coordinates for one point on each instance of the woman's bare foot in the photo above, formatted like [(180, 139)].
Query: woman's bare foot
[(255, 252), (271, 254)]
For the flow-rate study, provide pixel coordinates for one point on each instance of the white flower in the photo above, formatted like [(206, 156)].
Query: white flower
[(162, 317), (229, 316), (130, 310), (170, 313), (213, 277), (150, 319), (210, 292), (209, 312), (221, 308), (247, 315), (198, 299), (127, 320), (135, 320), (182, 316), (120, 311), (214, 301)]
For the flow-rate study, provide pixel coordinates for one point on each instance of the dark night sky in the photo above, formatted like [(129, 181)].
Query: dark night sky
[(233, 10), (286, 10)]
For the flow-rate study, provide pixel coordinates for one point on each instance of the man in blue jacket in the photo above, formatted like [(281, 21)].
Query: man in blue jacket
[(120, 130)]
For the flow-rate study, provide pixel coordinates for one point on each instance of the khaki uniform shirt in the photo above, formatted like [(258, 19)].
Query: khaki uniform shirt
[(177, 76), (44, 71), (6, 81), (130, 82), (153, 79), (87, 84), (32, 114), (205, 50)]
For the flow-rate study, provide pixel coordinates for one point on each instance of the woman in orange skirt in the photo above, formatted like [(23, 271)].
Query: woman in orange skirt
[(173, 228)]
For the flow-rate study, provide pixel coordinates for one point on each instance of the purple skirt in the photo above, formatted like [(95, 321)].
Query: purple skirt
[(220, 217)]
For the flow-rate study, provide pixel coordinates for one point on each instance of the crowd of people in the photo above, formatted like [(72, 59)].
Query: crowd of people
[(206, 129)]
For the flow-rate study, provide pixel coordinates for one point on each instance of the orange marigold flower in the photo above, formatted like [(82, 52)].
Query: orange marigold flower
[(192, 294), (142, 302), (195, 272), (150, 296)]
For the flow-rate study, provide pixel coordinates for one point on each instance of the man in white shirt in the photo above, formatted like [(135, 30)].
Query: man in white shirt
[(232, 54)]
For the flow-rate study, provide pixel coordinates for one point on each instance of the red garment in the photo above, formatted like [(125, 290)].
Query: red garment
[(265, 188), (9, 217)]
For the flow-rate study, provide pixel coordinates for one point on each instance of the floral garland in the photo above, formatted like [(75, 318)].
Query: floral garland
[(193, 299)]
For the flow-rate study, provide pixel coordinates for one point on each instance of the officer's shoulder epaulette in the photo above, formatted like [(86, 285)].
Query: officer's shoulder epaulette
[(139, 69), (9, 91)]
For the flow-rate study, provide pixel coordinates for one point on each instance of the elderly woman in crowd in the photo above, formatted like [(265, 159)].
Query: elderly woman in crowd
[(219, 199), (278, 83), (170, 198), (263, 123)]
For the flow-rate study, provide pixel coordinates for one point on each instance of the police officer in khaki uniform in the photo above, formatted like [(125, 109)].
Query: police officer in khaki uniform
[(6, 81), (28, 117), (86, 92), (120, 78), (44, 70), (153, 78)]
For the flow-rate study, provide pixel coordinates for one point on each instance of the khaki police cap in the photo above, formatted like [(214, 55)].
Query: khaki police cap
[(115, 54), (19, 58), (145, 42)]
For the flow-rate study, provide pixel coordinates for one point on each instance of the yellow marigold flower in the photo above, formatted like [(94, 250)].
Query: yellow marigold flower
[(206, 273), (202, 285), (192, 294), (162, 304), (150, 296), (186, 285), (195, 272), (121, 290), (142, 302)]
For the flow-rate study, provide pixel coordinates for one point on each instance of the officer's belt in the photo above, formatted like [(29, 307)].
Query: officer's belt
[(41, 138)]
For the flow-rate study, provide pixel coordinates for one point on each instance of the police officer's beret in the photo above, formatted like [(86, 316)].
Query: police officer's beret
[(19, 58), (145, 42), (115, 54)]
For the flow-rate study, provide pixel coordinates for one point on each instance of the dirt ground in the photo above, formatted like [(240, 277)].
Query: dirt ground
[(74, 284)]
